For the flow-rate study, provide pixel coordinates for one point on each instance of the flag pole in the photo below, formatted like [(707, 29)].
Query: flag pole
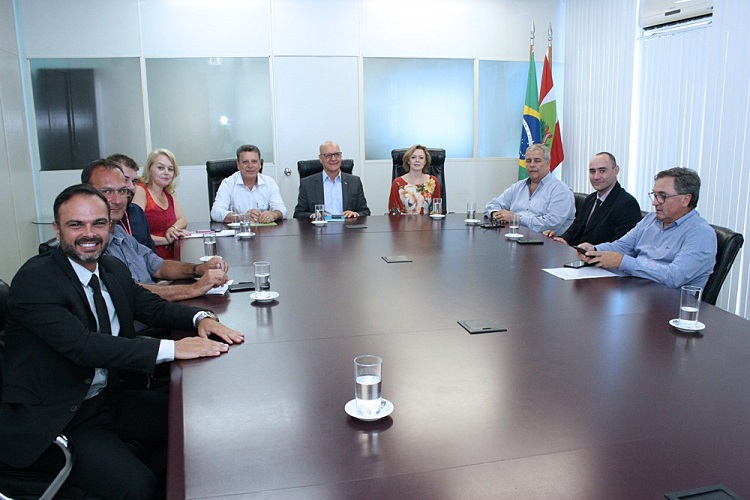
[(531, 38), (549, 43)]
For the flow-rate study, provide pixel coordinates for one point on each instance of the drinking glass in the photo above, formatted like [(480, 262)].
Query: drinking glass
[(513, 224), (471, 210), (262, 279), (437, 206), (690, 304), (209, 243), (320, 212), (368, 384)]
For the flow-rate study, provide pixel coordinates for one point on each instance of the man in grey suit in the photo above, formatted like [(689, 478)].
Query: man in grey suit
[(341, 193)]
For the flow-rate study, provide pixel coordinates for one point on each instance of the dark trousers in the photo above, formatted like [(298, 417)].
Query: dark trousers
[(101, 436)]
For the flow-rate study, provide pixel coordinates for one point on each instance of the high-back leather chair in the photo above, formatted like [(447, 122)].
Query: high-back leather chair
[(728, 244), (217, 171), (437, 168), (23, 483), (310, 167), (579, 199)]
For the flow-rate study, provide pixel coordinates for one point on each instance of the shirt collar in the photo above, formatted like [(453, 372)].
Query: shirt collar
[(84, 275), (328, 179)]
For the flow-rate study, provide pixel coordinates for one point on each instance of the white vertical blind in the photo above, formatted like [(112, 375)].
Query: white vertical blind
[(690, 98), (599, 48)]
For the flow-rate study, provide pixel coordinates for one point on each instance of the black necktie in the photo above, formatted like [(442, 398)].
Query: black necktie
[(101, 307), (596, 207)]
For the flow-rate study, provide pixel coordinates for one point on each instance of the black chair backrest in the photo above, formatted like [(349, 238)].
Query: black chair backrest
[(579, 199), (4, 291), (217, 171), (437, 168), (310, 167), (728, 244)]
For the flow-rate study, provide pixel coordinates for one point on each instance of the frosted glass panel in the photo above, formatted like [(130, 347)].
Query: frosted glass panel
[(204, 108), (113, 111), (427, 101), (502, 91)]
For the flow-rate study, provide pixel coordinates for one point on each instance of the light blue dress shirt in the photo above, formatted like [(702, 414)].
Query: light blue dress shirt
[(552, 206), (232, 192), (333, 194), (141, 260), (683, 253)]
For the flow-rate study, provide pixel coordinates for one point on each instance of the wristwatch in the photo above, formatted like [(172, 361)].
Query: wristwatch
[(203, 315)]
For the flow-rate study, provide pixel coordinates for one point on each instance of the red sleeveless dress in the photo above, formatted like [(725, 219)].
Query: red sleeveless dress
[(159, 220)]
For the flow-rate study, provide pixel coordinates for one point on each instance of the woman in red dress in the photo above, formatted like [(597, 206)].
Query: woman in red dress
[(155, 195), (413, 192)]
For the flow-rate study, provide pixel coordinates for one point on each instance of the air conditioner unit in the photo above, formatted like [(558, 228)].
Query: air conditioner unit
[(656, 14)]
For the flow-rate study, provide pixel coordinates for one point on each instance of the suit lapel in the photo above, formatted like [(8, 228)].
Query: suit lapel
[(344, 191), (605, 207), (119, 299), (62, 261)]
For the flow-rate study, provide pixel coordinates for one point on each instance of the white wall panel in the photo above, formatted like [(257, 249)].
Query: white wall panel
[(418, 28), (317, 99), (502, 28), (83, 28), (302, 27), (193, 28), (8, 27)]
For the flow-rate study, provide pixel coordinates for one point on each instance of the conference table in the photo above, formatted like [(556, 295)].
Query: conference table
[(589, 393)]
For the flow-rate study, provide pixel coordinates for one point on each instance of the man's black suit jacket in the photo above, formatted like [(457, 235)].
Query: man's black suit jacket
[(311, 194), (52, 347), (617, 215)]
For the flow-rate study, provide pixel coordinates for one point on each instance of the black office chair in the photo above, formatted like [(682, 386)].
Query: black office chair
[(19, 483), (579, 199), (49, 245), (728, 244), (310, 167), (437, 168), (217, 171)]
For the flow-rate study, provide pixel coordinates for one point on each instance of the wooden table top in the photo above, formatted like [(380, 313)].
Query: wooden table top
[(588, 394)]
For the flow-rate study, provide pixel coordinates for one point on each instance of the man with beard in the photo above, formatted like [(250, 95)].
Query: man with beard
[(69, 332), (541, 202), (143, 263)]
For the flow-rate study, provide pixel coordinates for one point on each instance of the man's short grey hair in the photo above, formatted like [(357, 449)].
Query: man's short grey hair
[(686, 181), (540, 147), (248, 148)]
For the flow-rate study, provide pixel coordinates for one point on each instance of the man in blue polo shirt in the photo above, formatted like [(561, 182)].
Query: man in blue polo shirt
[(672, 245)]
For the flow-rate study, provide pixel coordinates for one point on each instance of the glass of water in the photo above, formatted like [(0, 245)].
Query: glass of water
[(262, 279), (513, 224), (437, 206), (368, 384), (320, 213), (690, 304), (471, 210), (209, 243)]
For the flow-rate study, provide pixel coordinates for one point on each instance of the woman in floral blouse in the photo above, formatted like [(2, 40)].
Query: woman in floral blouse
[(413, 192)]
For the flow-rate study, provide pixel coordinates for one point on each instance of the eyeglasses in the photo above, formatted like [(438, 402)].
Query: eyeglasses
[(108, 192), (328, 156), (661, 198)]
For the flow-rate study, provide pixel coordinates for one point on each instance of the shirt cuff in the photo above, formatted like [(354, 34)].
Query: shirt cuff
[(166, 351)]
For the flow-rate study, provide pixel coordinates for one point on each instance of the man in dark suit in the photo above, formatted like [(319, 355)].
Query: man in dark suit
[(69, 331), (134, 221), (341, 193), (606, 214)]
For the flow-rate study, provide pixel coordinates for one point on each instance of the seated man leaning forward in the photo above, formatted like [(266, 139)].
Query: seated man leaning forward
[(607, 213), (134, 221), (672, 245), (341, 193), (249, 191), (541, 202), (69, 333), (143, 262)]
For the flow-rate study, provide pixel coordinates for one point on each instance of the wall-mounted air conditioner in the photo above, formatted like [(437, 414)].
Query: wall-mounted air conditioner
[(657, 14)]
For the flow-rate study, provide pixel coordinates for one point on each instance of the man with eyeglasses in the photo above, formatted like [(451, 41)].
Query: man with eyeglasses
[(341, 193), (143, 263), (672, 245), (134, 221)]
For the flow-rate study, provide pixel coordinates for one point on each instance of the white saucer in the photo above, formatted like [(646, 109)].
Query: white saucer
[(351, 409), (233, 225), (437, 216), (271, 296), (513, 236), (687, 329), (320, 222), (206, 258), (472, 221), (245, 236)]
